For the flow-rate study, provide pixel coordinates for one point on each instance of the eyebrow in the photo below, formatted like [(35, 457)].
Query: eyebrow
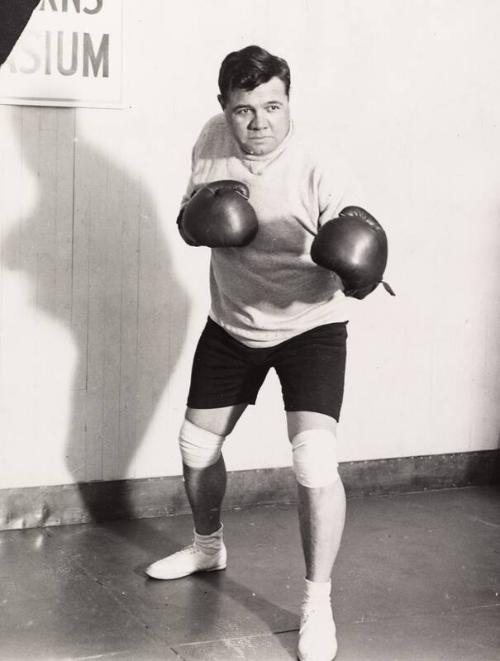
[(267, 103)]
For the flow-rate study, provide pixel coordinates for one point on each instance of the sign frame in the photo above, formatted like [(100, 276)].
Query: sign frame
[(68, 56)]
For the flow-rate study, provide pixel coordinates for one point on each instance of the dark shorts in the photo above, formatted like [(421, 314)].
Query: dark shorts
[(310, 367)]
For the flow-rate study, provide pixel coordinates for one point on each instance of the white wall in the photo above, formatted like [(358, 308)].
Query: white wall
[(101, 303)]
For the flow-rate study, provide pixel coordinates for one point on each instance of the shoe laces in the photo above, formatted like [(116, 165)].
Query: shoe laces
[(187, 550), (310, 609)]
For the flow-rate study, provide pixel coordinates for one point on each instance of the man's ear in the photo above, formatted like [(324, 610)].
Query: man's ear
[(220, 99)]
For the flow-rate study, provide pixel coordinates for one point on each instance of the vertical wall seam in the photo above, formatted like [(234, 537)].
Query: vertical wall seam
[(73, 213)]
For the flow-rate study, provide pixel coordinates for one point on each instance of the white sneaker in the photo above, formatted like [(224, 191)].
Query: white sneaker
[(188, 560), (317, 634)]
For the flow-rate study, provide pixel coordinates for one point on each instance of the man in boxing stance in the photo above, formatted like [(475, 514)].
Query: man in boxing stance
[(258, 196)]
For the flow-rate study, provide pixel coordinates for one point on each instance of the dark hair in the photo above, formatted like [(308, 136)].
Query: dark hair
[(249, 67)]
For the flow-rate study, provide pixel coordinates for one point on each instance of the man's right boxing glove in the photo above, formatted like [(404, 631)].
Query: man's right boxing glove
[(354, 246), (219, 215)]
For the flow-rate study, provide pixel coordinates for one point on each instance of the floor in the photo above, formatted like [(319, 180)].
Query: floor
[(418, 578)]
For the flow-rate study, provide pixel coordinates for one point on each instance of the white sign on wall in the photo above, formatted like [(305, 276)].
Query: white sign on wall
[(70, 54)]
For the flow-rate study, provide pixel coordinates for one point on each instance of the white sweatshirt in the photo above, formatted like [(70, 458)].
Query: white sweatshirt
[(271, 290)]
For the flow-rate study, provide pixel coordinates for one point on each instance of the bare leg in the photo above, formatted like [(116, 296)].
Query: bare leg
[(205, 490), (321, 510), (321, 517), (206, 487)]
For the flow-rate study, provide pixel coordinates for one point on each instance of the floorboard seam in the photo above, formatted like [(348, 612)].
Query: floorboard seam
[(181, 658), (110, 592), (458, 611), (242, 635)]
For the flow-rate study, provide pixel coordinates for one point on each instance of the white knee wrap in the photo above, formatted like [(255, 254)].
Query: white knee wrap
[(314, 458), (199, 447)]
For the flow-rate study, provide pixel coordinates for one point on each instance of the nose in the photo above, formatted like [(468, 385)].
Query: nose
[(258, 121)]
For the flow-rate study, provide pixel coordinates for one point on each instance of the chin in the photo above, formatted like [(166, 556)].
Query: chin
[(259, 150)]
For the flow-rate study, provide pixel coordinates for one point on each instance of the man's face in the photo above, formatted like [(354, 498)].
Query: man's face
[(259, 119)]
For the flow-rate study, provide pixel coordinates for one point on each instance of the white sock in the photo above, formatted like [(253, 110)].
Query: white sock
[(211, 543), (316, 591)]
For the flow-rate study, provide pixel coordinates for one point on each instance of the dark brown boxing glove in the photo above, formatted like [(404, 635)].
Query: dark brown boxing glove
[(219, 215), (354, 246)]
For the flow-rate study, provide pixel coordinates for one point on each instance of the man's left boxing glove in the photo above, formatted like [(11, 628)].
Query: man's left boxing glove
[(219, 215), (354, 246)]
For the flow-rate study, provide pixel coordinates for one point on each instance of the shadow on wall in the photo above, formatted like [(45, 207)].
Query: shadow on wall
[(98, 262)]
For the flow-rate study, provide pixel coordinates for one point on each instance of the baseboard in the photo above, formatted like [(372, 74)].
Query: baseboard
[(163, 496)]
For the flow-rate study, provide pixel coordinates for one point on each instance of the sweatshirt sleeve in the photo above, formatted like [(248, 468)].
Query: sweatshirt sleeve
[(338, 187), (190, 185), (200, 154), (188, 194), (209, 139)]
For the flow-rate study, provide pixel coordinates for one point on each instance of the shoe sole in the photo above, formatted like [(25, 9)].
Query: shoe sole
[(197, 571), (301, 658)]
